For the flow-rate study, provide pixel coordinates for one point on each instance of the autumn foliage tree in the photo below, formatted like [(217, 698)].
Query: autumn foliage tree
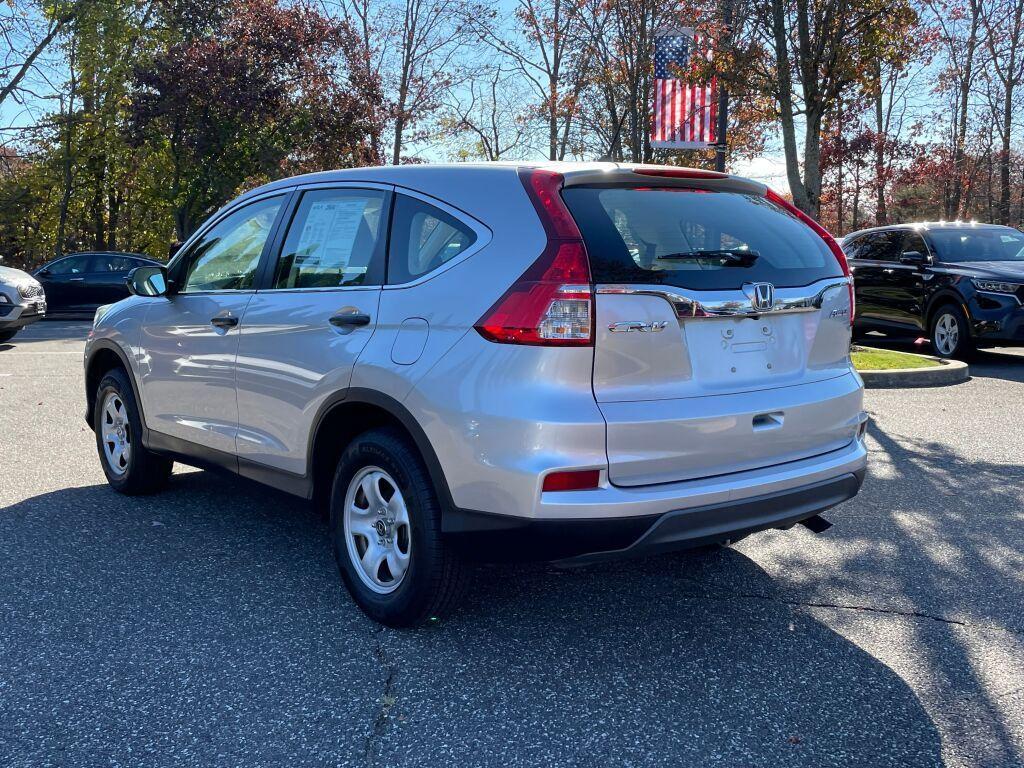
[(271, 89)]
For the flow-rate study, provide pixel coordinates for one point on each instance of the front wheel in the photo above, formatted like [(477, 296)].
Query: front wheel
[(130, 467), (950, 333), (8, 334), (386, 531)]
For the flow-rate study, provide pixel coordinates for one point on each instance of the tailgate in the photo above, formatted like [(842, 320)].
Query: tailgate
[(659, 441), (704, 396)]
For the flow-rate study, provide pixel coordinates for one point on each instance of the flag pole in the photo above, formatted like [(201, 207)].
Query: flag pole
[(723, 95)]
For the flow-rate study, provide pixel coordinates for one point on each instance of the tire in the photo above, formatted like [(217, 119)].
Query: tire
[(134, 471), (950, 333), (428, 578), (8, 335)]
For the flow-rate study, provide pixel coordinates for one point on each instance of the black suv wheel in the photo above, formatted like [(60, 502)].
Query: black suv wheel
[(386, 531), (950, 333)]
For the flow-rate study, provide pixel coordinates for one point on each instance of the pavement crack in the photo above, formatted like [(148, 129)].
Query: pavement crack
[(732, 594), (384, 703)]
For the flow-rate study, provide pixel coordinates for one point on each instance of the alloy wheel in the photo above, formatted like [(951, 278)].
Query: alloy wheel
[(947, 334), (377, 532), (116, 434)]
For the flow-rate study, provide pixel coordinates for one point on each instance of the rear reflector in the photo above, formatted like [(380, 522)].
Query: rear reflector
[(580, 480), (823, 233), (552, 302)]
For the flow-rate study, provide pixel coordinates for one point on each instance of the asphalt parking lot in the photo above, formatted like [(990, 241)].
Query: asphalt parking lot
[(207, 627)]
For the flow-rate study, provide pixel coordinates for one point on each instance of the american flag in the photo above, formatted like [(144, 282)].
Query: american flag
[(685, 112)]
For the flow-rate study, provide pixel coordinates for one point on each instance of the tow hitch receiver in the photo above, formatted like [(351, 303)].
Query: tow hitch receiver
[(816, 524)]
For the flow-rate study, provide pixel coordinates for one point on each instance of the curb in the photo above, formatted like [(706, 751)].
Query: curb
[(947, 372)]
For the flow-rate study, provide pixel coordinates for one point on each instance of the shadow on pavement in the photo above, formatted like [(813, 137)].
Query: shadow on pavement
[(939, 539), (207, 625)]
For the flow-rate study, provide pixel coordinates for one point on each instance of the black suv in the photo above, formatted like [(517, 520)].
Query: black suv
[(960, 283), (79, 282)]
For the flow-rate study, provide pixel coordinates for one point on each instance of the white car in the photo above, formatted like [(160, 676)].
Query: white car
[(554, 361), (22, 301)]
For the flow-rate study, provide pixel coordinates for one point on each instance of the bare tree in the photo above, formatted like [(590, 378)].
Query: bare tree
[(416, 47), (622, 34), (1004, 38), (959, 38), (491, 113), (818, 53), (553, 55), (27, 32)]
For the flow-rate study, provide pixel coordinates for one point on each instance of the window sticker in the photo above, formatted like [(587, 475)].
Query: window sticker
[(329, 235)]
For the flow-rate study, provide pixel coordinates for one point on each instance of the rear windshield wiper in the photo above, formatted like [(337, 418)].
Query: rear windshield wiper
[(727, 257)]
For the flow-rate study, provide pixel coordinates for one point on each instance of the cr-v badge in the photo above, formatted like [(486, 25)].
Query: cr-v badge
[(635, 326)]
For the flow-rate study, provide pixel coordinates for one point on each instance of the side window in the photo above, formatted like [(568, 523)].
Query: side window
[(892, 246), (226, 257), (423, 237), (852, 247), (880, 246), (72, 265), (333, 240), (914, 242), (113, 263)]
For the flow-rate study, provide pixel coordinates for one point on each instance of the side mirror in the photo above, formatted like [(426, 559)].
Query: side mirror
[(913, 258), (147, 281)]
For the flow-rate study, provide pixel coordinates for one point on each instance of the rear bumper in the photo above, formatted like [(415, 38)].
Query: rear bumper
[(582, 542), (683, 522)]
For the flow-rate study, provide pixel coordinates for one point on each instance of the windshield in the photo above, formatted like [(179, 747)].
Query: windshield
[(695, 239), (988, 244)]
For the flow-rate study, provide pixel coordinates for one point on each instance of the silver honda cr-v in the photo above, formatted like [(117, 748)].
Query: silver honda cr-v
[(557, 361)]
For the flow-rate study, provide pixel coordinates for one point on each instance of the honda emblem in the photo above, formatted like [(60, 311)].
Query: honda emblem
[(762, 296)]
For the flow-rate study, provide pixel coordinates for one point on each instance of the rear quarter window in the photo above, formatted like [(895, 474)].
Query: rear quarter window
[(695, 239)]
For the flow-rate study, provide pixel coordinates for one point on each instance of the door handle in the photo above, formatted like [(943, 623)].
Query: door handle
[(765, 421), (350, 320), (224, 322), (76, 280), (889, 271)]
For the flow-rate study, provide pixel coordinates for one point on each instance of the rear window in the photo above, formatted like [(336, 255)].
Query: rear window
[(695, 239)]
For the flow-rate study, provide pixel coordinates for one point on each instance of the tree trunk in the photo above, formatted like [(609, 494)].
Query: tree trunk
[(1004, 155), (963, 107), (812, 162), (881, 213), (785, 97), (67, 166)]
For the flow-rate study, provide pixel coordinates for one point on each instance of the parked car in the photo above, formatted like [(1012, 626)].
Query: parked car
[(961, 284), (22, 301), (80, 282), (558, 361)]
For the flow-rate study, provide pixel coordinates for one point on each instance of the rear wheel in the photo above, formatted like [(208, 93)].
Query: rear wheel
[(386, 530), (130, 468), (950, 333)]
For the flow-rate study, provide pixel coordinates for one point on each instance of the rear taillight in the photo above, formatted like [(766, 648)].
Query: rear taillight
[(552, 303), (823, 233)]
